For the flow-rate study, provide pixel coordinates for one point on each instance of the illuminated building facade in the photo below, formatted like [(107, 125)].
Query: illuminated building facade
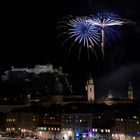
[(19, 122), (90, 89), (76, 124), (119, 126)]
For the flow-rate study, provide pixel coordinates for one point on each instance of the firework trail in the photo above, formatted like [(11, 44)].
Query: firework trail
[(105, 21)]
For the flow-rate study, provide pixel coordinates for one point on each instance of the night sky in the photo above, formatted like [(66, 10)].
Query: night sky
[(28, 37)]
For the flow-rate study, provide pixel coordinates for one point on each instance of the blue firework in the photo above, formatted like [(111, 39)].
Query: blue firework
[(83, 32), (108, 24), (80, 31)]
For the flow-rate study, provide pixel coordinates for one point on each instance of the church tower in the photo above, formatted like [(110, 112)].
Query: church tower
[(90, 89), (130, 92)]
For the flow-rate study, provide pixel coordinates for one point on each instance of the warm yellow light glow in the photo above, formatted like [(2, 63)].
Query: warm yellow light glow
[(40, 132)]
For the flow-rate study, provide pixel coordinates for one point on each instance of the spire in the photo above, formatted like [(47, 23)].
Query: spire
[(130, 91), (130, 86), (90, 80), (110, 94), (90, 89)]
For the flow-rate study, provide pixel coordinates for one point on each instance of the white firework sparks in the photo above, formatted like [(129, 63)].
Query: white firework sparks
[(81, 31)]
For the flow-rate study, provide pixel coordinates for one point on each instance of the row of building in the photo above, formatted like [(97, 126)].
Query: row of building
[(74, 121)]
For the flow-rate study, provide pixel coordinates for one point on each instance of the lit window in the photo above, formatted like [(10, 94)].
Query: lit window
[(95, 130), (134, 117), (134, 138), (108, 130), (137, 122), (113, 135), (58, 129), (80, 120), (102, 130), (121, 119)]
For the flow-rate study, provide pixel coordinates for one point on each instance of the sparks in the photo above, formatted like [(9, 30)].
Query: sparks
[(83, 32), (105, 21)]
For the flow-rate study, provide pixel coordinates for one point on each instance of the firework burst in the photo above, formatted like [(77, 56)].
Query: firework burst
[(91, 31), (106, 23), (81, 31)]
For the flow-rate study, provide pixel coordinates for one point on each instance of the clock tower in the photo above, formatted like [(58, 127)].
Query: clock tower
[(90, 89), (130, 92)]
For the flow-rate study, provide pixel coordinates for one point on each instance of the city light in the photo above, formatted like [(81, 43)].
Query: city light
[(84, 135), (90, 135), (77, 134), (78, 30), (67, 134)]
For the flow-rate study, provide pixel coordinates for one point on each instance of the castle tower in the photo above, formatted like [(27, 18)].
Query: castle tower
[(130, 91), (90, 89)]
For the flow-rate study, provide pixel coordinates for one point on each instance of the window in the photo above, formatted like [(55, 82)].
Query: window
[(102, 130)]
